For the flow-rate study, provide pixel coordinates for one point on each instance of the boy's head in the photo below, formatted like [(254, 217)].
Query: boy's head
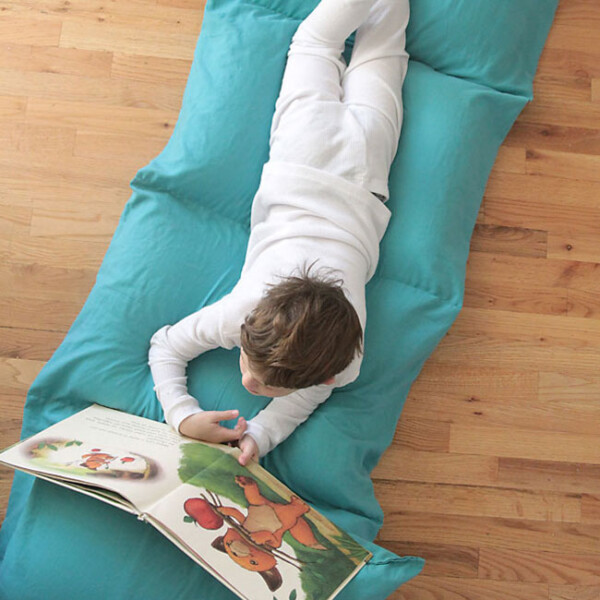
[(303, 332)]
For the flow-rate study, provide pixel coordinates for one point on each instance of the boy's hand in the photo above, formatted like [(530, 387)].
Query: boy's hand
[(205, 426), (249, 450)]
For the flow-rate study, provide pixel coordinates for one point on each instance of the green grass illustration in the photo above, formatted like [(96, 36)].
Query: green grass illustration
[(322, 570)]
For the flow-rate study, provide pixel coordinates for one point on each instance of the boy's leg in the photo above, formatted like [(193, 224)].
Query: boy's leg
[(379, 62), (315, 65)]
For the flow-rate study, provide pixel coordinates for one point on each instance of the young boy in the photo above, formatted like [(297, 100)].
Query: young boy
[(298, 310)]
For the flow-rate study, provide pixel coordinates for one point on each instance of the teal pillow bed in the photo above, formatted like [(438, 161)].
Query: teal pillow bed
[(180, 245)]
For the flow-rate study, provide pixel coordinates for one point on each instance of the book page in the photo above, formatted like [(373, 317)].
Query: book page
[(254, 532), (240, 523), (135, 457)]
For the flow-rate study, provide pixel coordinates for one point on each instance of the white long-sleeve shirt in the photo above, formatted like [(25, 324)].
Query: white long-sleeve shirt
[(299, 215), (333, 137)]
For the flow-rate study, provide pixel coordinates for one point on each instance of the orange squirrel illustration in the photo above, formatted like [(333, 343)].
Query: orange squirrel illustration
[(252, 540), (97, 459)]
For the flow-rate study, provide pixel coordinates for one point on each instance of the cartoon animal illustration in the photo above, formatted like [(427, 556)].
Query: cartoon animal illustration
[(97, 459), (78, 455), (253, 540)]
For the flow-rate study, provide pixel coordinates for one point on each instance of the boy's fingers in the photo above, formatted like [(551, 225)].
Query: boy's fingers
[(224, 415), (226, 435), (247, 454), (244, 458)]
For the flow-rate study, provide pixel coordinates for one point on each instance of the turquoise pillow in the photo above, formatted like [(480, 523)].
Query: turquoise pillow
[(180, 245), (489, 42)]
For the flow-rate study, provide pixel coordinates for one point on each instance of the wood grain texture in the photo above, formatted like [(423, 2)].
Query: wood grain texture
[(494, 472)]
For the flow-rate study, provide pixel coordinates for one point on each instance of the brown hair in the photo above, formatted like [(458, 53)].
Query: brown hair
[(302, 332)]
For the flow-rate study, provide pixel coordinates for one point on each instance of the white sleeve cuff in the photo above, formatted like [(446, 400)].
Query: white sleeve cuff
[(185, 408), (258, 434)]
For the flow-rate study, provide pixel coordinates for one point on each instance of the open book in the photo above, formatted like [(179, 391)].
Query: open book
[(242, 525)]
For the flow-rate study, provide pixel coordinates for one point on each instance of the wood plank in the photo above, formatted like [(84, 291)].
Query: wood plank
[(517, 356), (423, 434), (10, 426), (157, 40), (579, 13), (510, 159), (13, 219), (77, 88), (520, 534), (146, 13), (525, 443), (48, 59), (565, 62), (567, 89), (518, 296), (28, 344), (590, 508), (65, 252), (563, 164), (533, 329), (596, 90), (150, 69), (573, 246), (548, 475), (34, 280), (550, 273), (87, 118), (12, 108), (552, 111), (583, 303), (471, 386), (441, 560), (448, 588), (513, 241), (539, 567), (564, 35), (574, 592), (556, 389), (541, 136), (506, 283), (18, 374), (32, 176), (89, 219), (27, 186), (39, 313), (488, 396), (112, 146), (401, 464), (6, 479), (543, 203), (479, 501), (34, 30), (182, 3), (39, 140)]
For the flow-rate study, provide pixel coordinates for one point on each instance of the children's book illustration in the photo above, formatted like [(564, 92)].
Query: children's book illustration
[(238, 522), (253, 540), (79, 458)]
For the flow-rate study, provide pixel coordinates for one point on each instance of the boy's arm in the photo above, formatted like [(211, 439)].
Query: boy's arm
[(173, 346), (282, 415)]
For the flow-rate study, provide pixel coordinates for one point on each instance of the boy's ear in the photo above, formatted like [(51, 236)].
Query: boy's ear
[(329, 381)]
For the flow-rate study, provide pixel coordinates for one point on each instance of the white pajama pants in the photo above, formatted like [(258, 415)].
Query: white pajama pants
[(344, 119)]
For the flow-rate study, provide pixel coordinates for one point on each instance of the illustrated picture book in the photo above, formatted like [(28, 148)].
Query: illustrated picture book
[(239, 523)]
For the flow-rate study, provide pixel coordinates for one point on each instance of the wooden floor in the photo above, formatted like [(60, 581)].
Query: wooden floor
[(494, 476)]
